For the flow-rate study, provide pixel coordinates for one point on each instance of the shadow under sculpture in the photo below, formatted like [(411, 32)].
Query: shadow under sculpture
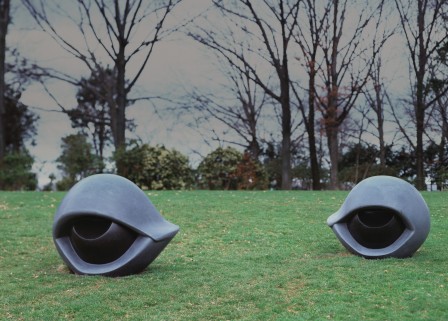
[(106, 225), (382, 217)]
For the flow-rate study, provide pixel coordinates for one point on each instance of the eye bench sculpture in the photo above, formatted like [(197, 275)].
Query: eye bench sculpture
[(382, 217), (106, 225)]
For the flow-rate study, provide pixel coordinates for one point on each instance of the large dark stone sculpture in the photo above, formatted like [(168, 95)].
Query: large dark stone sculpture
[(382, 217), (106, 225)]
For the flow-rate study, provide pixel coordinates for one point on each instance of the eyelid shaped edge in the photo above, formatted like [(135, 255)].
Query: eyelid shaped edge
[(140, 254), (118, 199), (391, 193)]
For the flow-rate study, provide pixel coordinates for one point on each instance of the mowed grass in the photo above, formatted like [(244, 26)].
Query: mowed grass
[(238, 256)]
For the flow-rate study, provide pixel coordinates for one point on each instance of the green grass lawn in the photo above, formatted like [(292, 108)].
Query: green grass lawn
[(238, 256)]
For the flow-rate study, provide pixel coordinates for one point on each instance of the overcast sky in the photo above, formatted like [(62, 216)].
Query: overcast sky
[(175, 64)]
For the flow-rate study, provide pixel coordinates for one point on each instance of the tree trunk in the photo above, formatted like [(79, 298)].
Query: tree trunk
[(442, 146), (381, 140), (286, 137), (420, 181), (420, 105), (315, 170), (379, 110), (254, 147), (286, 121), (333, 146), (441, 156), (4, 21), (332, 125), (121, 100), (310, 127)]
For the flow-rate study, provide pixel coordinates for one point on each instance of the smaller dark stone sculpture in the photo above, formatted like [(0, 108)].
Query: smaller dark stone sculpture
[(106, 225), (382, 216)]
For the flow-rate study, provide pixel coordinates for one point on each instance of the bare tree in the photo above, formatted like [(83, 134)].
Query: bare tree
[(267, 27), (114, 32), (4, 22), (442, 116), (425, 32), (348, 56), (92, 115), (309, 37), (376, 101), (240, 112), (437, 132), (352, 132)]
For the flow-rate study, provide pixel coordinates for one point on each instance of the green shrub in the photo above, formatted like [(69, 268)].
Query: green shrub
[(15, 171), (218, 169), (155, 167), (77, 160)]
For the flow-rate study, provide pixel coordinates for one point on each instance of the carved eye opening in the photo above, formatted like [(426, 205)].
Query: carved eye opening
[(98, 240), (91, 227), (375, 228)]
